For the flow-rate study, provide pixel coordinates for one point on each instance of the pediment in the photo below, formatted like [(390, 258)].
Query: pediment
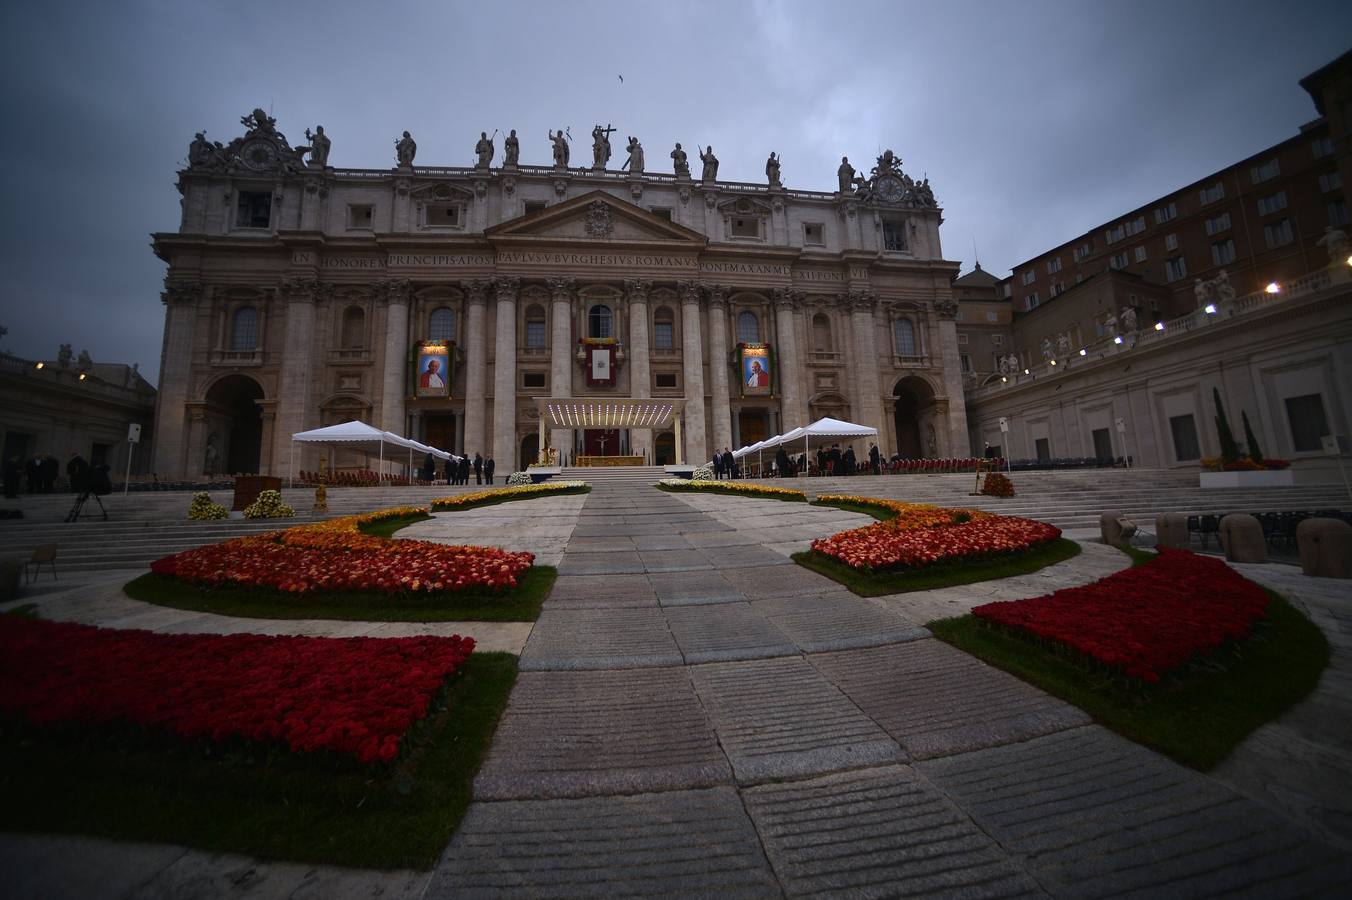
[(596, 216)]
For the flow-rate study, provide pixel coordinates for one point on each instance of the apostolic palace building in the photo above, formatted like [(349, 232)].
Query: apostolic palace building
[(655, 315)]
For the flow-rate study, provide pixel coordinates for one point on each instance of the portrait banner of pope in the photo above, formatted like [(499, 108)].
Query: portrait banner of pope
[(432, 373), (757, 374)]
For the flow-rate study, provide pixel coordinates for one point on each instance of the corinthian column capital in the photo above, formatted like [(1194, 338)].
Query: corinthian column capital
[(636, 290), (561, 288), (505, 288), (689, 291)]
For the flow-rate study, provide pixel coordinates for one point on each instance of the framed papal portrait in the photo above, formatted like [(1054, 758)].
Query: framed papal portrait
[(432, 371), (757, 372)]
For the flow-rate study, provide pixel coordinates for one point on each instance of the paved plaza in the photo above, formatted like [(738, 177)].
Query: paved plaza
[(696, 714)]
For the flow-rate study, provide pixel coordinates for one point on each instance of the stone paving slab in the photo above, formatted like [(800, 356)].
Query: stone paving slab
[(618, 563), (600, 592), (774, 582), (697, 587), (673, 560), (681, 843), (611, 528), (878, 832), (779, 718), (740, 557), (662, 542), (724, 539), (838, 621), (725, 631), (568, 734), (1094, 814), (936, 701), (600, 639)]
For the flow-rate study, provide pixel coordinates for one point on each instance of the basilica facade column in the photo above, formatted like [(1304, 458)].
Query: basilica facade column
[(718, 369), (197, 439), (293, 383), (868, 403), (955, 410), (561, 356), (692, 357), (788, 360), (181, 302), (398, 292), (476, 367), (640, 373), (505, 290)]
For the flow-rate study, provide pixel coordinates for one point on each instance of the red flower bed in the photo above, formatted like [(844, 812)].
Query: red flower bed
[(354, 696), (888, 546), (1144, 620), (311, 560)]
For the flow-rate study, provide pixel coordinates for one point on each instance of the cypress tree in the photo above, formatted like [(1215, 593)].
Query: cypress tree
[(1250, 440), (1229, 449)]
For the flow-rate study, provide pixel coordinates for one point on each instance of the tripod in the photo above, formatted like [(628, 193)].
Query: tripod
[(80, 501)]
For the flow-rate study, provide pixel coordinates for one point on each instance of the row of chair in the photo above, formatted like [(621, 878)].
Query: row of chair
[(1279, 528), (365, 478)]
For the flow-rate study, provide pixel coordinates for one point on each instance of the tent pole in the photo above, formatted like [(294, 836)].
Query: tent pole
[(291, 466)]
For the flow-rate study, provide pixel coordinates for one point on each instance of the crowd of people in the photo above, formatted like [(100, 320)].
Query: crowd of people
[(456, 469), (39, 473)]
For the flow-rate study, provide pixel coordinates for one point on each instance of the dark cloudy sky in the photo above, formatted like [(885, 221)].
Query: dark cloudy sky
[(1033, 120)]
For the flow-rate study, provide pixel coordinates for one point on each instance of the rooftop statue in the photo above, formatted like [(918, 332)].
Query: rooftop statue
[(710, 165), (405, 149), (259, 122), (205, 154), (679, 162), (601, 146), (635, 161), (845, 175), (319, 147), (772, 170), (483, 150), (511, 149), (560, 149)]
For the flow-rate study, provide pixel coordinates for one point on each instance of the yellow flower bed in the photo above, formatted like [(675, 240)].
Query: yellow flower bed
[(507, 493), (908, 516), (744, 488)]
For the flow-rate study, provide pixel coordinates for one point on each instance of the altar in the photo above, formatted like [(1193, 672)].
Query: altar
[(611, 461)]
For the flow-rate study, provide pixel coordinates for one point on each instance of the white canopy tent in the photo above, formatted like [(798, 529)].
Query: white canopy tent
[(823, 431), (359, 436)]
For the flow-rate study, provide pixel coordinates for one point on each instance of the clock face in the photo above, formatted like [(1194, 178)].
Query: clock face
[(258, 154), (890, 188)]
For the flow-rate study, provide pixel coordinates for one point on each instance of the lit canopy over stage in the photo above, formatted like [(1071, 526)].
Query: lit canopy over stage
[(604, 413)]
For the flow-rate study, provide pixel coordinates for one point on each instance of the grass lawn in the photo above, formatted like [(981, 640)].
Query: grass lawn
[(732, 492), (522, 604), (1195, 716), (387, 527), (271, 805), (494, 501), (875, 584)]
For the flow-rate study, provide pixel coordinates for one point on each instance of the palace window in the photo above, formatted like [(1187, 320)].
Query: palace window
[(1053, 265), (600, 322), (966, 362), (534, 206), (744, 227), (664, 328), (441, 324), (1308, 422), (894, 235), (1175, 267), (1171, 242), (1058, 288), (1330, 181), (664, 379), (813, 234), (1140, 253), (253, 209), (535, 327), (1321, 147), (1212, 194), (1135, 226), (442, 215), (1278, 233), (1029, 277), (1217, 224), (748, 328), (354, 328), (1083, 250), (1184, 431), (1031, 301), (821, 333), (1266, 172), (244, 330), (1165, 213), (1223, 252), (1338, 212), (1275, 203), (360, 217), (662, 212), (532, 379), (1112, 235), (1119, 261), (903, 330)]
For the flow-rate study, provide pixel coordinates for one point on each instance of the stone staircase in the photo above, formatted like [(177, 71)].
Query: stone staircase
[(636, 477)]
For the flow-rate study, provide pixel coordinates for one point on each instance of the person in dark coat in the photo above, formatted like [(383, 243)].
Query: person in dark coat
[(13, 471), (782, 462), (729, 463), (32, 471), (718, 465), (874, 459), (478, 469), (429, 468), (48, 470), (488, 470), (448, 469), (78, 472), (849, 460), (464, 470)]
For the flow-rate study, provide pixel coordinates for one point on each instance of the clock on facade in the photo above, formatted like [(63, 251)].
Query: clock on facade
[(890, 188), (258, 154)]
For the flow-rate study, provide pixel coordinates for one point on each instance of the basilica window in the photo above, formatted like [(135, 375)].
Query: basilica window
[(442, 215), (894, 235), (664, 328), (535, 327), (903, 330), (748, 328), (441, 324), (813, 234), (360, 217), (600, 322), (744, 227), (354, 328), (253, 209), (821, 333), (244, 330)]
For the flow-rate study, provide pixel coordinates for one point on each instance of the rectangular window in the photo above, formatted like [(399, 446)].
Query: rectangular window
[(966, 363), (1029, 277), (1277, 234), (1338, 212), (1217, 224), (894, 236), (1058, 289), (1184, 430), (745, 227), (662, 335), (1043, 450), (1083, 250), (1308, 423), (991, 316), (1266, 172), (1321, 147), (1330, 181), (534, 206), (1135, 226), (813, 234), (1140, 253), (254, 209), (1103, 443), (1223, 252), (442, 216), (664, 379), (1031, 301), (1175, 267), (1171, 242), (1112, 235), (360, 217), (1212, 194), (535, 333), (1053, 265), (662, 212), (1119, 261), (962, 338), (1165, 213), (532, 379), (1275, 203)]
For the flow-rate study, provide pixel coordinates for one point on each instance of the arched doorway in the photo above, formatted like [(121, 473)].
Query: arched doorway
[(233, 410), (530, 451), (664, 449), (914, 404)]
